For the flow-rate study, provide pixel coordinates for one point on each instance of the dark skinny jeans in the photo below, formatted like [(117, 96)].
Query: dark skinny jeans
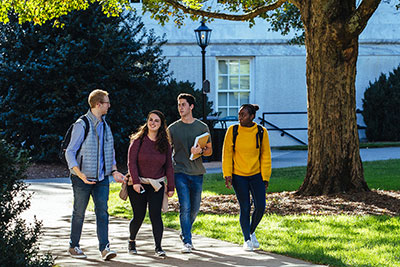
[(244, 185), (139, 207)]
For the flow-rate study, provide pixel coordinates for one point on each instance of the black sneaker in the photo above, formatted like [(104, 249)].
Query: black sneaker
[(132, 247), (160, 253)]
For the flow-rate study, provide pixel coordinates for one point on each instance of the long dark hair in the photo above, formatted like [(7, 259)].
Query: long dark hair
[(163, 139)]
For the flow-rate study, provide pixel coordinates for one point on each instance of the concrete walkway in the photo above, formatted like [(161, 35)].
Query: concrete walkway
[(52, 204)]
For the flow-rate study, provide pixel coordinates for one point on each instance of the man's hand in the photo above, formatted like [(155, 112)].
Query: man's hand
[(119, 177), (85, 180), (228, 182), (196, 150), (266, 183), (82, 176), (170, 193)]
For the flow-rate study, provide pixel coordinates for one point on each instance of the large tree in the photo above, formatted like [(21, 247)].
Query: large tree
[(331, 30)]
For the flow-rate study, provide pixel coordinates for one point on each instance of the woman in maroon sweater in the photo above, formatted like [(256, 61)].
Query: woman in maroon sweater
[(149, 162)]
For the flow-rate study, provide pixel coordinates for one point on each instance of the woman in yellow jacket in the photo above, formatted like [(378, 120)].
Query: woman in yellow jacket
[(246, 165)]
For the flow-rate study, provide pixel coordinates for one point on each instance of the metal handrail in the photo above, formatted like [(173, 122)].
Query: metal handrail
[(283, 130)]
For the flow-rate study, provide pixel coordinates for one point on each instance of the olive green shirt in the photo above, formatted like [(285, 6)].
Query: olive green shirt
[(183, 136)]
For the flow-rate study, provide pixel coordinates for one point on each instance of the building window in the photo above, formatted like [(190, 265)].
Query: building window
[(233, 85)]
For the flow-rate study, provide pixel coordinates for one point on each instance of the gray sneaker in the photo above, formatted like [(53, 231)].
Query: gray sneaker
[(254, 240), (187, 248), (108, 254), (77, 253), (248, 245)]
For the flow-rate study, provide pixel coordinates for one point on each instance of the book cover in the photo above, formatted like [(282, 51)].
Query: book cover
[(202, 141)]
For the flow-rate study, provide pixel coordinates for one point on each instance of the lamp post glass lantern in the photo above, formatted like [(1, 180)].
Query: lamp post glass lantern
[(203, 34)]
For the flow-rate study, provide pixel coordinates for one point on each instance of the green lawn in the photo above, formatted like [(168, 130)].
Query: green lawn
[(332, 240), (362, 145)]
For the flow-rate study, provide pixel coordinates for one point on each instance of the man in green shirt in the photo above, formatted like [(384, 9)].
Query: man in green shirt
[(188, 173)]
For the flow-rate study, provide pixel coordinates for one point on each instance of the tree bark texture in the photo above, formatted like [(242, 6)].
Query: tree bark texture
[(334, 164)]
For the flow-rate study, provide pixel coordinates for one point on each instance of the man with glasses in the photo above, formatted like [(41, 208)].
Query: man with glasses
[(91, 161)]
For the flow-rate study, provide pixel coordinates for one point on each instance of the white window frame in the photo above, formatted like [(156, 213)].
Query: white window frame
[(251, 81)]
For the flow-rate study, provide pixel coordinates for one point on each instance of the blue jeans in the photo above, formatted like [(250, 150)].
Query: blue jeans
[(82, 193), (189, 189), (244, 185)]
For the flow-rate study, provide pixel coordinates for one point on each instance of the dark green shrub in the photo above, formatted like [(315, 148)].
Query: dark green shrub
[(18, 240), (46, 74), (381, 108)]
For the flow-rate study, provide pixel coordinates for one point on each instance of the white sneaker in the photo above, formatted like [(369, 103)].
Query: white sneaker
[(187, 248), (248, 245), (254, 240)]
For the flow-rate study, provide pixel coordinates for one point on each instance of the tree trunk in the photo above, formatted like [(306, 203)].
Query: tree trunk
[(334, 164)]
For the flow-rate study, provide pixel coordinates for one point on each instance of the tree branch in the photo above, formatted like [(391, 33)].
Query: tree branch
[(361, 15), (244, 17)]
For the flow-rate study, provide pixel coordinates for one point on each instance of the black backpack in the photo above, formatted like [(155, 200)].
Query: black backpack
[(67, 139), (259, 135)]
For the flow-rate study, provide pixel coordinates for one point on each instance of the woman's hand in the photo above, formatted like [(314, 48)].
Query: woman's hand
[(138, 188), (228, 182)]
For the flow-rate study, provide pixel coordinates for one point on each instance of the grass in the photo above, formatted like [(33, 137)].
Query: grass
[(362, 145), (333, 240)]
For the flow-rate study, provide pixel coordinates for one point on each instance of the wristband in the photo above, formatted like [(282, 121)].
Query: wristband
[(113, 171)]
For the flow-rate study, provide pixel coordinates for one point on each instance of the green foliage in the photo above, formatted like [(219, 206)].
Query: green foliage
[(41, 11), (286, 19), (381, 108), (18, 240), (46, 75)]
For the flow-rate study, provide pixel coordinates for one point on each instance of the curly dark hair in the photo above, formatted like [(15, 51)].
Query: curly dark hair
[(163, 138)]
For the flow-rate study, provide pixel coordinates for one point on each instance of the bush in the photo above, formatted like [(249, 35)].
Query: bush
[(381, 108), (18, 240), (47, 73)]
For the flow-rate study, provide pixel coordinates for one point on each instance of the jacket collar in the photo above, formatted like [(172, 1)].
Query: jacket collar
[(94, 119)]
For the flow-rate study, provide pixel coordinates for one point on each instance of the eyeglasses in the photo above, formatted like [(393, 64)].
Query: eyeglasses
[(105, 102)]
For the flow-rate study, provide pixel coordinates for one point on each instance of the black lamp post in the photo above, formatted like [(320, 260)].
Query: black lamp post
[(203, 34)]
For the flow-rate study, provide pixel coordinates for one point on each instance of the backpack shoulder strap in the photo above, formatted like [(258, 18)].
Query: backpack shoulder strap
[(260, 135), (235, 134), (86, 121)]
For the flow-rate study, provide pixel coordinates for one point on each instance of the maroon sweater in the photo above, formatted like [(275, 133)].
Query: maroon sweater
[(148, 162)]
